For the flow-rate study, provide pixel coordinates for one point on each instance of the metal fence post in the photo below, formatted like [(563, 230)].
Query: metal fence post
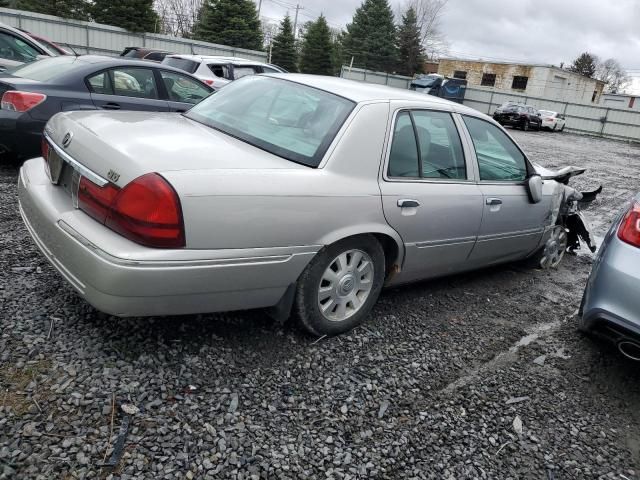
[(604, 122), (19, 21), (88, 42), (490, 103), (144, 40)]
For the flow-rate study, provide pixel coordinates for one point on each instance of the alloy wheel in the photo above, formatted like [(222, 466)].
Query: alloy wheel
[(345, 285)]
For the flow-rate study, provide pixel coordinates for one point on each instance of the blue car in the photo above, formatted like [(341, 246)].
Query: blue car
[(32, 93), (611, 303)]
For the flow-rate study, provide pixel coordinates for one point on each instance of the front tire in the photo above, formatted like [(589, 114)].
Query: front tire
[(553, 251), (340, 286)]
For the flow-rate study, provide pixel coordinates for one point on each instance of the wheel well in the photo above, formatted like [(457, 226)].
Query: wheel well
[(391, 252)]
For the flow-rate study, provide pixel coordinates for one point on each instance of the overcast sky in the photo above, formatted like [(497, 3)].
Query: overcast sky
[(540, 31)]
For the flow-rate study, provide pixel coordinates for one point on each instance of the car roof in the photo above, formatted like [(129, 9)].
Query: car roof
[(365, 92), (218, 58)]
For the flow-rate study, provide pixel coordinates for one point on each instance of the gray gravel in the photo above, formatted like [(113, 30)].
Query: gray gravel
[(477, 376)]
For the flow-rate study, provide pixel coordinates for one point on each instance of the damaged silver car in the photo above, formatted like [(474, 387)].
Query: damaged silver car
[(302, 194)]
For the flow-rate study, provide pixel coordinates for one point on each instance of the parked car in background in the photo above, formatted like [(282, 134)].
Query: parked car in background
[(518, 116), (33, 93), (611, 303), (54, 47), (17, 47), (552, 120), (219, 71), (296, 191), (141, 53), (433, 84)]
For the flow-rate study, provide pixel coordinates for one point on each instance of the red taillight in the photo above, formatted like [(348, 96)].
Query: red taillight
[(208, 82), (44, 148), (629, 230), (94, 200), (146, 211), (21, 101)]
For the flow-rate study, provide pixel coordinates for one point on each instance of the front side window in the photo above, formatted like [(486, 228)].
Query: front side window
[(239, 72), (183, 89), (499, 159), (13, 48), (293, 121), (134, 82), (438, 147)]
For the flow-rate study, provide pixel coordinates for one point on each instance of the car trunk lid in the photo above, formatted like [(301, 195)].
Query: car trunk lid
[(121, 146)]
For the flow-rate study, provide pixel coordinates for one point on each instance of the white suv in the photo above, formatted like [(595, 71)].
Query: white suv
[(218, 71)]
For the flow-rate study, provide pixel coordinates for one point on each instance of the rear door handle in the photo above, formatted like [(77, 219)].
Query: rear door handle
[(111, 106), (494, 201), (408, 203)]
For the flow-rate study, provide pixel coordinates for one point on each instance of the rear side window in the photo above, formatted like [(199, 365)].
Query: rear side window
[(239, 72), (220, 71), (438, 147), (183, 89), (155, 56), (100, 83), (134, 82), (184, 64)]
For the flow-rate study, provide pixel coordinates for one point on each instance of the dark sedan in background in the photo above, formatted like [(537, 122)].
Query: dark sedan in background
[(518, 116), (33, 93)]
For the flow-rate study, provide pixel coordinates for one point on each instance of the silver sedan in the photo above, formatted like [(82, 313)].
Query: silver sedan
[(298, 193), (611, 303)]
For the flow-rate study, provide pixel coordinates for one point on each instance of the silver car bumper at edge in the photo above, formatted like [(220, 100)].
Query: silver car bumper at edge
[(122, 278), (612, 295)]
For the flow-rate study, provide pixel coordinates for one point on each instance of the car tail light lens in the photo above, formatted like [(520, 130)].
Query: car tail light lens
[(146, 211), (208, 82), (44, 148), (629, 230), (21, 101)]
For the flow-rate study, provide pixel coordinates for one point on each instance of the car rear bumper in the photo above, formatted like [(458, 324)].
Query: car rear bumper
[(20, 134), (122, 278), (612, 295)]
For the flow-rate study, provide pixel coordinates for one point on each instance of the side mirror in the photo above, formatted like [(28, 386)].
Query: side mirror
[(534, 187)]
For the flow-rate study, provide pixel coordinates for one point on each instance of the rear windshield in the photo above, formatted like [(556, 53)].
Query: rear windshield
[(181, 63), (293, 121), (47, 68), (130, 53), (547, 113)]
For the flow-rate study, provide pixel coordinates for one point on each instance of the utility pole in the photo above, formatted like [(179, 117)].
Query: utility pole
[(259, 7), (295, 22)]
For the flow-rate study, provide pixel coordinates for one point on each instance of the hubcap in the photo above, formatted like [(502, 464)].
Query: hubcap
[(555, 248), (345, 285)]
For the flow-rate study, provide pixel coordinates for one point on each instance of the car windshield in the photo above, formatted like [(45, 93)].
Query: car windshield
[(47, 68), (293, 121), (181, 63)]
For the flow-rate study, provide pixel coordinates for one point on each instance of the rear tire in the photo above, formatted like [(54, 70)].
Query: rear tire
[(562, 129), (340, 286)]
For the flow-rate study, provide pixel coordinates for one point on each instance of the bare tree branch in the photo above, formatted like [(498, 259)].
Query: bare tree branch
[(429, 13)]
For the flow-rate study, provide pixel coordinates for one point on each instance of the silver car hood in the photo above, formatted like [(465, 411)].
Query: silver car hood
[(130, 144)]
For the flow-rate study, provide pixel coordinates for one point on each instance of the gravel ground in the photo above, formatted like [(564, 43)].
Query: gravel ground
[(476, 376)]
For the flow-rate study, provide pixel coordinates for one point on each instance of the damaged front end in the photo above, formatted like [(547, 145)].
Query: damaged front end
[(567, 202)]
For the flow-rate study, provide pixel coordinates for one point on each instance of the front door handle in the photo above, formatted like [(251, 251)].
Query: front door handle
[(111, 106), (494, 201), (408, 203)]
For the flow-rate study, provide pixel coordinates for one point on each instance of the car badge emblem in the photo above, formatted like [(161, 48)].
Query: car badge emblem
[(113, 176), (66, 141)]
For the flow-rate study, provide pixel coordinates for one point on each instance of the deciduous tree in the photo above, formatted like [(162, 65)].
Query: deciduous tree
[(614, 74)]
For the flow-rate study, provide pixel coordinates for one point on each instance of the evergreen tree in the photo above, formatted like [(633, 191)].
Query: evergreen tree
[(133, 15), (229, 22), (371, 37), (586, 64), (337, 53), (75, 9), (316, 48), (284, 53), (410, 51)]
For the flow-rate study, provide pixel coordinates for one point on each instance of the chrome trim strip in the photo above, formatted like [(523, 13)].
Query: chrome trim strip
[(221, 262), (84, 171), (521, 233), (446, 242)]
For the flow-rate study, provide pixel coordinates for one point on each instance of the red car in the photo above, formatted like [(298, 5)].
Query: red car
[(49, 44)]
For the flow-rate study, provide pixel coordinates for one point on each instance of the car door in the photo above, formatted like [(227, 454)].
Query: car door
[(182, 92), (429, 193), (512, 225), (126, 88), (15, 51)]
